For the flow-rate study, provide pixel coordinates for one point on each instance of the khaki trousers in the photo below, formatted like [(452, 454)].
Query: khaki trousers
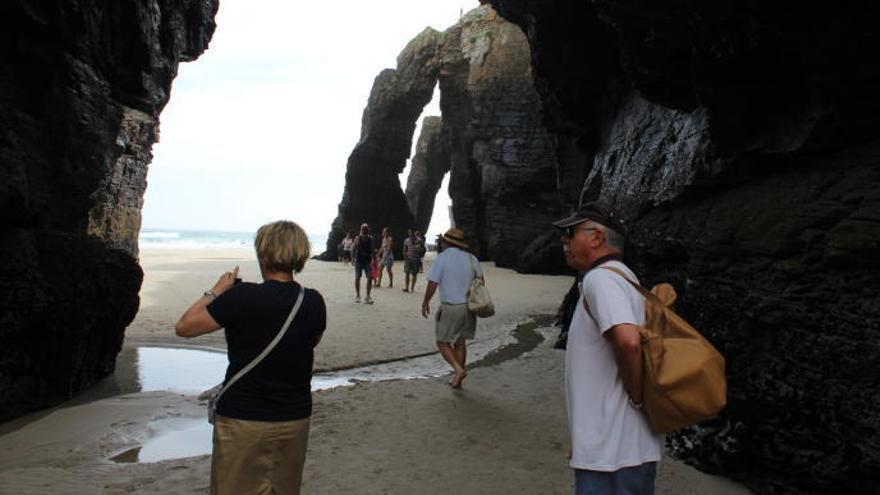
[(258, 457)]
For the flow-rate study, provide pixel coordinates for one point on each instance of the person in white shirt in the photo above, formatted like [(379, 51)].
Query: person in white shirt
[(614, 451), (347, 244), (453, 272)]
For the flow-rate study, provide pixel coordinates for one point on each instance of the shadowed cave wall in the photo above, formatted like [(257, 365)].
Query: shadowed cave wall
[(742, 142), (81, 88), (740, 139)]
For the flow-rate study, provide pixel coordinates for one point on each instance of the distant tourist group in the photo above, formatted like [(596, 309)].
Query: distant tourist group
[(374, 258), (262, 419)]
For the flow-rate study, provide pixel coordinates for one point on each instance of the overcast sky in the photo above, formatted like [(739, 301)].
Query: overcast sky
[(261, 125)]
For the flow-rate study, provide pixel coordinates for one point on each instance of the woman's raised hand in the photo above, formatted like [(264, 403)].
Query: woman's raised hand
[(225, 281)]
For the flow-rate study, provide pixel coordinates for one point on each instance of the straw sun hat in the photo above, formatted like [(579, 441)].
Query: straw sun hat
[(455, 237)]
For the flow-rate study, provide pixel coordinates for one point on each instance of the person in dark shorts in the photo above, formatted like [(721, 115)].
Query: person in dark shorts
[(413, 250), (261, 428), (362, 251)]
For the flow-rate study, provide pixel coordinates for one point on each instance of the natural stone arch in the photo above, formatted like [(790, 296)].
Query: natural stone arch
[(428, 167), (501, 160)]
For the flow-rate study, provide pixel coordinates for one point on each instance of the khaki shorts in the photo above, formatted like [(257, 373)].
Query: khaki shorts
[(455, 322), (258, 456)]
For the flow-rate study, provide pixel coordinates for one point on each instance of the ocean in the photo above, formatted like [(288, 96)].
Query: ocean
[(150, 238)]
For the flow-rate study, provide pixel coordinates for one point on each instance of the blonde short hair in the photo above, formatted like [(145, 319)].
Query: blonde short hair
[(282, 246)]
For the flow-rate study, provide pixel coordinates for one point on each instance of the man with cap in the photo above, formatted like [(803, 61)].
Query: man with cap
[(453, 272), (614, 450)]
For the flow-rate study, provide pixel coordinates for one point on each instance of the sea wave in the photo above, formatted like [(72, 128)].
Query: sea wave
[(159, 235), (200, 239), (191, 244)]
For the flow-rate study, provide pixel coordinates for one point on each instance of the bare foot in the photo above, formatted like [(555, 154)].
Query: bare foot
[(457, 379)]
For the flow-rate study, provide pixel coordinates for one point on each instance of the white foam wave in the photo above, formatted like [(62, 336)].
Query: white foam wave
[(159, 235)]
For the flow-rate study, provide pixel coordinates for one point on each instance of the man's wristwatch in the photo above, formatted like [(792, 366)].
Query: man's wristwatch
[(209, 293)]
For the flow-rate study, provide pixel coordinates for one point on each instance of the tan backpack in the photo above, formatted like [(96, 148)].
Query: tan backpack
[(684, 381)]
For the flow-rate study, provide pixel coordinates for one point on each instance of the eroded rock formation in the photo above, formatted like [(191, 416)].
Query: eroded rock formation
[(428, 166), (501, 159), (372, 191), (81, 88), (742, 142)]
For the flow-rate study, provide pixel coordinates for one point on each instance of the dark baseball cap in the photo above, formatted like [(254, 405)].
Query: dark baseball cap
[(596, 211)]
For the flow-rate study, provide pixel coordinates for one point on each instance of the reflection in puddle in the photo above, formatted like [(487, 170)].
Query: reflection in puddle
[(179, 370), (192, 371), (174, 438), (143, 369)]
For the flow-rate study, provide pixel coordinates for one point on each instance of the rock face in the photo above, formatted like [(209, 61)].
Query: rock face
[(741, 141), (372, 191), (429, 164), (501, 159), (81, 88)]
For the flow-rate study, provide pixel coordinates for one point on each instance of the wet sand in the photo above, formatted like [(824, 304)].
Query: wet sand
[(505, 432)]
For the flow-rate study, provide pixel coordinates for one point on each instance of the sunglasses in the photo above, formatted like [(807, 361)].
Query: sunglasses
[(571, 231)]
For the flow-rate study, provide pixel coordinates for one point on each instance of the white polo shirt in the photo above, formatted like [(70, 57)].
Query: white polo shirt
[(606, 432), (453, 271)]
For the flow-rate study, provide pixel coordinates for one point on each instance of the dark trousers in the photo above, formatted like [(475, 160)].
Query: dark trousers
[(635, 480)]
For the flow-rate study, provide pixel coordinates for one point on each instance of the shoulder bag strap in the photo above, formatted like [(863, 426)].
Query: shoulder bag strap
[(474, 268), (268, 349)]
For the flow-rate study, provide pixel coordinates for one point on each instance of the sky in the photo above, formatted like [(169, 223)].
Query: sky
[(260, 127)]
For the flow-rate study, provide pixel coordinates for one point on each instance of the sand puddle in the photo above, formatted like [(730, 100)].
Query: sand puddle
[(190, 371), (172, 438)]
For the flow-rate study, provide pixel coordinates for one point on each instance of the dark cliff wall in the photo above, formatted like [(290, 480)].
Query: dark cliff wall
[(742, 142), (502, 158), (81, 88), (372, 191)]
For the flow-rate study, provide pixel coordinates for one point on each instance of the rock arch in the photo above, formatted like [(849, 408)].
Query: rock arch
[(501, 159)]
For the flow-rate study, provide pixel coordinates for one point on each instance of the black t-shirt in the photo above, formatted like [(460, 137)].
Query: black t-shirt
[(279, 387), (364, 252)]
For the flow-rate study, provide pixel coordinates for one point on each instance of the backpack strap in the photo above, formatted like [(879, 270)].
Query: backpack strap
[(643, 291), (587, 308)]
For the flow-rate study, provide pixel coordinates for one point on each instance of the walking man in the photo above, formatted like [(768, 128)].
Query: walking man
[(452, 272), (614, 451), (413, 250), (363, 251)]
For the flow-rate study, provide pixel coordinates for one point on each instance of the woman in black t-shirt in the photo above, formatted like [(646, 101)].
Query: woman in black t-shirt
[(262, 423)]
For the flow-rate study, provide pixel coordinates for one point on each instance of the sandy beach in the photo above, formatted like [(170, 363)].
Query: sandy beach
[(505, 432)]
